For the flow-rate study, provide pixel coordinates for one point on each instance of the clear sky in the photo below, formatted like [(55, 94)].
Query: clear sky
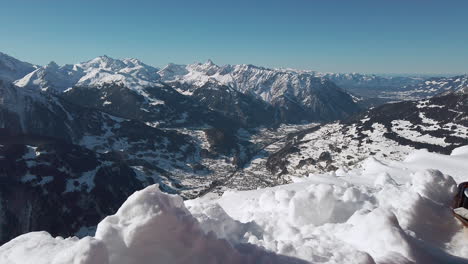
[(377, 36)]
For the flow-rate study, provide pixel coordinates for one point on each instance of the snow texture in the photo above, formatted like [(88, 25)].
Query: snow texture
[(150, 226)]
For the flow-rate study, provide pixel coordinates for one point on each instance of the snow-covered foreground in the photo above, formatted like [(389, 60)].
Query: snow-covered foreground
[(385, 212)]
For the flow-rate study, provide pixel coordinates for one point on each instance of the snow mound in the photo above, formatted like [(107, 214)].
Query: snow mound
[(386, 212), (150, 226), (461, 151), (42, 248), (434, 185)]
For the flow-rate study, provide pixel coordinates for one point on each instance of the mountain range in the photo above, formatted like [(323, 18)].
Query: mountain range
[(396, 88), (297, 97)]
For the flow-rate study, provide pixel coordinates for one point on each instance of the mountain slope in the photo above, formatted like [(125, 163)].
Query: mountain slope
[(47, 184), (12, 69), (243, 108), (82, 145), (301, 96), (158, 106), (434, 86), (439, 124)]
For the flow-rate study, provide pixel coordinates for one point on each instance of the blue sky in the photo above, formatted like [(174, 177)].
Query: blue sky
[(378, 36)]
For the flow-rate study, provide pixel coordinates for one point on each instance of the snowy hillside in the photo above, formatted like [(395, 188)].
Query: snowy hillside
[(389, 131), (12, 69), (431, 87), (59, 154), (130, 72), (386, 212), (396, 88)]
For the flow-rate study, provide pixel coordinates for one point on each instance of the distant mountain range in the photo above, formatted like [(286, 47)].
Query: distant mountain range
[(353, 81), (297, 97), (131, 73), (396, 88), (432, 86)]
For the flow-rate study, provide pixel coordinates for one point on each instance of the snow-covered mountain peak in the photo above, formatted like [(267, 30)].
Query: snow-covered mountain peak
[(292, 91), (437, 86), (129, 72), (109, 64), (132, 62), (240, 67), (12, 69), (104, 62), (209, 62), (208, 68), (172, 71)]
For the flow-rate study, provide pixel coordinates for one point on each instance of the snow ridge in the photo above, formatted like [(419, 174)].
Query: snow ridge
[(12, 69), (131, 73), (268, 84)]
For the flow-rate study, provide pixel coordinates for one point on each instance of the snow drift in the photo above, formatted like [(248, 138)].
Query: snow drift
[(150, 227), (386, 212)]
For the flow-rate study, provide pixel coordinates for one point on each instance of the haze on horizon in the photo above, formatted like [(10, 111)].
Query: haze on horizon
[(367, 36)]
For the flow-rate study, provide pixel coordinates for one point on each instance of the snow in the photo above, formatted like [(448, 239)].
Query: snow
[(12, 69), (267, 84), (86, 180), (382, 212), (41, 248), (367, 214), (28, 177), (131, 73), (150, 227), (402, 128)]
